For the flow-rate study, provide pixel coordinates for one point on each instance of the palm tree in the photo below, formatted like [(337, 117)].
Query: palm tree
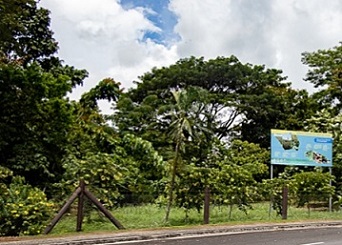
[(185, 125)]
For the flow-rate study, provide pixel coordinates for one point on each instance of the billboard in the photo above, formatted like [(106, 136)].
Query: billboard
[(301, 148)]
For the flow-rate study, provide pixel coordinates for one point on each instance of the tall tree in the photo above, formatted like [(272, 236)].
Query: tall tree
[(184, 126), (243, 100), (25, 32), (325, 73), (325, 121), (34, 122), (35, 113), (281, 108), (118, 167)]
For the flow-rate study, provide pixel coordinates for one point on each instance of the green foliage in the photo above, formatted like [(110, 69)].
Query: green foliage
[(305, 186), (107, 89), (24, 210), (25, 33), (102, 172), (34, 122), (235, 175), (147, 169), (243, 100), (326, 73), (272, 189), (189, 191), (312, 186), (114, 167), (231, 173), (326, 121), (4, 173), (35, 114), (276, 107)]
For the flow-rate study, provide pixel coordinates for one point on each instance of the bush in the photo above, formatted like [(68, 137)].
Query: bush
[(313, 186), (24, 210)]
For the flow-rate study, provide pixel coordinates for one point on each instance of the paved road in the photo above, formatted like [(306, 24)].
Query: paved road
[(300, 233), (320, 236)]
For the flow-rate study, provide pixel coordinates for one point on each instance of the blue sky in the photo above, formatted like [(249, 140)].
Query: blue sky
[(156, 11)]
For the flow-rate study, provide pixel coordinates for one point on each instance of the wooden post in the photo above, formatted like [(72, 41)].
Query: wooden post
[(103, 209), (206, 205), (62, 211), (80, 207), (285, 201), (80, 192)]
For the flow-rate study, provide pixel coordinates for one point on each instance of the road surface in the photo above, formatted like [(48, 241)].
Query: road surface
[(320, 236), (295, 233)]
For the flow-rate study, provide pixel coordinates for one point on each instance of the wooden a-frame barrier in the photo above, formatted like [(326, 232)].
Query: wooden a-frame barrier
[(80, 192)]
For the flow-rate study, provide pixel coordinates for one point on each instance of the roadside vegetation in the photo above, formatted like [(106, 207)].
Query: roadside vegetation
[(152, 217), (194, 125)]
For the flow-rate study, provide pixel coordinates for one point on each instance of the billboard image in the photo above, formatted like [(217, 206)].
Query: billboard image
[(301, 148)]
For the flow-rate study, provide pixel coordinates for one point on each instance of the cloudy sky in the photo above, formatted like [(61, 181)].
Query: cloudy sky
[(123, 39)]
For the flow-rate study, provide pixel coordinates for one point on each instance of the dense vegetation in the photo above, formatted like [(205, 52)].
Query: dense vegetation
[(197, 123)]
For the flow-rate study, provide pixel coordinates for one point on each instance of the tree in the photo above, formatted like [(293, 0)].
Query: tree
[(324, 121), (117, 167), (184, 126), (35, 119), (280, 108), (25, 32), (272, 189), (235, 175), (189, 193), (35, 113), (107, 89), (131, 172), (326, 74), (243, 100)]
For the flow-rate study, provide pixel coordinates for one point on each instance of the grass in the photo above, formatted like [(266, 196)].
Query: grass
[(152, 216)]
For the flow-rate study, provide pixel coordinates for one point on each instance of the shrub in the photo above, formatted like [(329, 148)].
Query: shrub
[(23, 209), (313, 186)]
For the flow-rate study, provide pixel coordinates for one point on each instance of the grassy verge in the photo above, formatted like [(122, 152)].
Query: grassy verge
[(152, 216)]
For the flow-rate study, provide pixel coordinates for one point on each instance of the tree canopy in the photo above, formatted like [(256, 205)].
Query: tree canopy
[(25, 32), (325, 73), (243, 100), (36, 116)]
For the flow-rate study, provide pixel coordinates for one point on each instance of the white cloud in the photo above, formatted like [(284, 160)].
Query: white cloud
[(154, 55), (105, 39), (108, 40), (274, 33), (299, 26), (223, 28)]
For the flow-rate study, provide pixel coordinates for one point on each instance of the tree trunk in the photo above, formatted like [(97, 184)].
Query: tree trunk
[(230, 211), (172, 184)]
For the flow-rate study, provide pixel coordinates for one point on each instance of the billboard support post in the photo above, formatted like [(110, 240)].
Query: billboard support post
[(271, 201), (330, 198)]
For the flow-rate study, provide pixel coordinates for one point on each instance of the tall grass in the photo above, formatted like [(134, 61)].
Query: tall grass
[(152, 216)]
